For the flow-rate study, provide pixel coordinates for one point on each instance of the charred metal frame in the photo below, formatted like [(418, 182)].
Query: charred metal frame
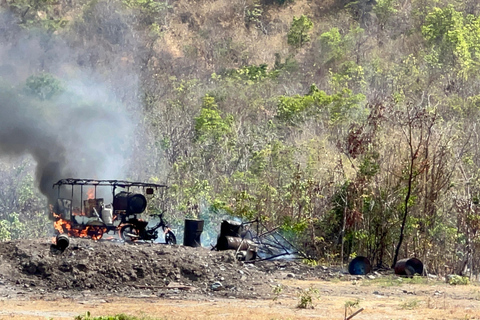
[(96, 182), (270, 241)]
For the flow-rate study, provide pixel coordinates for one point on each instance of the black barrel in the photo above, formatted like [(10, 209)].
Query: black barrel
[(409, 267), (62, 242), (230, 228), (193, 231), (233, 243), (130, 202), (359, 266), (246, 249)]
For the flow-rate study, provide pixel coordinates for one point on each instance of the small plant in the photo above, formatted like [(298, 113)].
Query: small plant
[(310, 262), (410, 305), (277, 291), (352, 304), (306, 298), (87, 316), (253, 14)]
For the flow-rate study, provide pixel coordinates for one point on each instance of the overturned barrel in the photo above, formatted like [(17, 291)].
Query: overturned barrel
[(130, 202), (62, 242), (409, 267), (230, 228), (246, 249), (233, 243), (359, 266), (193, 231)]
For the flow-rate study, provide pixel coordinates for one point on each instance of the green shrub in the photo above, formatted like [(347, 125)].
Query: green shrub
[(44, 86), (458, 280), (298, 34)]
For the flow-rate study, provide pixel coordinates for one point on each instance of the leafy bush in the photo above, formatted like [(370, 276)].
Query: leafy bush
[(337, 107), (384, 9), (252, 73), (210, 124), (298, 34), (43, 86), (455, 279)]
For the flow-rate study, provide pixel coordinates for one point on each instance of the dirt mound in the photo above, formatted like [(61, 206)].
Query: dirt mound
[(140, 268)]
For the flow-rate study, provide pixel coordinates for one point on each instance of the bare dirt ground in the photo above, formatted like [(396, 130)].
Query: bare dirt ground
[(176, 282)]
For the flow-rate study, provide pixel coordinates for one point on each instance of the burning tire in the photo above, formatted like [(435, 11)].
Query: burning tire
[(128, 233), (95, 233)]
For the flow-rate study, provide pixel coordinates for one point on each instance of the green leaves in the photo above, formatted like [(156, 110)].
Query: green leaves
[(12, 228), (210, 124), (333, 43), (454, 40), (252, 73), (384, 9), (149, 6), (337, 107), (43, 86), (298, 34)]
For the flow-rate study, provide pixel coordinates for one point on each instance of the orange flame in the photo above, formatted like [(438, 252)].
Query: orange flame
[(91, 193), (65, 226)]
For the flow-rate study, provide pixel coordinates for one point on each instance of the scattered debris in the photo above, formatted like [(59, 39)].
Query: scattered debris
[(253, 241)]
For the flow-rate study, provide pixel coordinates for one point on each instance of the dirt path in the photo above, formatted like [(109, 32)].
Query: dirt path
[(381, 300)]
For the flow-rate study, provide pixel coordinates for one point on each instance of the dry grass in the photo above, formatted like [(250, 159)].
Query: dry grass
[(409, 301)]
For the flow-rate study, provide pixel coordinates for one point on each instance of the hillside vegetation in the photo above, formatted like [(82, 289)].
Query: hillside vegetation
[(350, 124)]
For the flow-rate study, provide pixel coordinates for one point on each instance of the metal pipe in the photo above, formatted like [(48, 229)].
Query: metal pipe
[(62, 241)]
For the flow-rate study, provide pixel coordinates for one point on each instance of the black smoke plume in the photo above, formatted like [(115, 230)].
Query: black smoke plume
[(71, 118)]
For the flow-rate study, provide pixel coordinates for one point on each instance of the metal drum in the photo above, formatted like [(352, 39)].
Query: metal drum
[(409, 267), (132, 203), (230, 228), (193, 231), (359, 266)]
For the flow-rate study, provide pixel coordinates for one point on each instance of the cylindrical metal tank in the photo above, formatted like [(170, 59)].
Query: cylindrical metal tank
[(233, 243), (130, 202), (359, 266), (193, 231), (107, 214), (409, 267)]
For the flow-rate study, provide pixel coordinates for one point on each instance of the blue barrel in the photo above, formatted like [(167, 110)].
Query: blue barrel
[(359, 266)]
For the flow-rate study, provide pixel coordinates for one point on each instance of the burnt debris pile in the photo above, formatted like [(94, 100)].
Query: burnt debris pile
[(253, 241), (120, 268)]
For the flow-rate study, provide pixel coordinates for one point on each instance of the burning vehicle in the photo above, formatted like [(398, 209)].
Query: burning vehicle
[(91, 208)]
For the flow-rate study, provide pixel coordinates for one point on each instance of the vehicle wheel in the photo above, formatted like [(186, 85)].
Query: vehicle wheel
[(170, 238), (128, 233), (98, 234)]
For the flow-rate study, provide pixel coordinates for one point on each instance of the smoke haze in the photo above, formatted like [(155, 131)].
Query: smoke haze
[(80, 129)]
